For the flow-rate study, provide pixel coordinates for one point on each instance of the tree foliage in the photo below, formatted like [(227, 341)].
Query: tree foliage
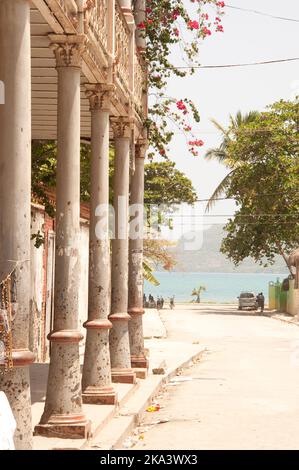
[(264, 183), (220, 153), (165, 184), (157, 254), (175, 28)]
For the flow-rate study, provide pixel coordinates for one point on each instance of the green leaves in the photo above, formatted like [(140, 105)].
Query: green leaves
[(148, 274), (164, 184), (264, 155)]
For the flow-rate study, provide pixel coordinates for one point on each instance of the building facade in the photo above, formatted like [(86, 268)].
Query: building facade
[(72, 71)]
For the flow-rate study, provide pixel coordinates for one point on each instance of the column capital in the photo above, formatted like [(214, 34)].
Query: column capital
[(122, 126), (141, 147), (68, 50), (100, 95)]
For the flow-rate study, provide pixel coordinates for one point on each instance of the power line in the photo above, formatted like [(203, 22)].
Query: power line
[(198, 224), (236, 216), (246, 64), (233, 198), (263, 13)]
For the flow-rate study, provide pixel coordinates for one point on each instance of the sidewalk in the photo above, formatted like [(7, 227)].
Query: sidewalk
[(242, 395), (110, 424), (285, 317)]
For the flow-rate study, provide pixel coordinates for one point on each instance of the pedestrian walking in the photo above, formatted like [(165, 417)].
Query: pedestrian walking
[(261, 301)]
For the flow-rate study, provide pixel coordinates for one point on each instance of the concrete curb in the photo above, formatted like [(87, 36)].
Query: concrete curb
[(114, 433), (284, 320)]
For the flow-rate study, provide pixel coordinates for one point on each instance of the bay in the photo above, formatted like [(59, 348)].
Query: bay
[(221, 287)]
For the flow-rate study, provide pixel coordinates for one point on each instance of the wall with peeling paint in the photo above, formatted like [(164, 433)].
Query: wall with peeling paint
[(83, 282), (293, 299), (41, 267), (37, 282)]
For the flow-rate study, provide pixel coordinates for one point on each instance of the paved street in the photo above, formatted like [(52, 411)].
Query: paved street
[(244, 394)]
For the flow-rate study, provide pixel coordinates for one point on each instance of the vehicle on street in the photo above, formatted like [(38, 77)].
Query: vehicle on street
[(247, 300)]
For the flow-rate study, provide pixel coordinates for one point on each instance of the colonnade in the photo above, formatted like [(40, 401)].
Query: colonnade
[(114, 338)]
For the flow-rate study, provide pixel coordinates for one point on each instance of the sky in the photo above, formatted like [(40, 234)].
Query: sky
[(217, 93)]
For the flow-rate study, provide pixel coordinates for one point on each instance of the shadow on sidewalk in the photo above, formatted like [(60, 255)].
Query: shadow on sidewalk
[(230, 310), (38, 381)]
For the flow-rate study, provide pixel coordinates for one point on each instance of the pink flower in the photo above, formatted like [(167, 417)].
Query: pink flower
[(181, 106), (175, 14), (196, 143), (206, 31), (193, 24)]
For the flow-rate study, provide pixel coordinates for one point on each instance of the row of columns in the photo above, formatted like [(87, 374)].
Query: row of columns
[(114, 342), (15, 194)]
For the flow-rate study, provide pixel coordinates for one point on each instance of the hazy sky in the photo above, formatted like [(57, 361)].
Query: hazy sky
[(218, 93)]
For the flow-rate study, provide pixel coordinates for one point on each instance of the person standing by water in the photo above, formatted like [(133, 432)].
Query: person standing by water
[(171, 303), (261, 301)]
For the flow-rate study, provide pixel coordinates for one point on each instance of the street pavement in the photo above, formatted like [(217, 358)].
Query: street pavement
[(244, 392)]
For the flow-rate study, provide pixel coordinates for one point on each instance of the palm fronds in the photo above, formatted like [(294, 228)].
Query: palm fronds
[(148, 274)]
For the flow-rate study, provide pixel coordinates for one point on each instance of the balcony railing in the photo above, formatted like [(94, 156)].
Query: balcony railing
[(70, 9), (110, 44), (98, 22), (122, 49), (140, 84)]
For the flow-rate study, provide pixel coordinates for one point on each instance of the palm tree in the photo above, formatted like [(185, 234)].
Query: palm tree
[(148, 274), (197, 292), (220, 153)]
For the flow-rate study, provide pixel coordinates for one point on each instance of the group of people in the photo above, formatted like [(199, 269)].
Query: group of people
[(159, 303), (260, 300)]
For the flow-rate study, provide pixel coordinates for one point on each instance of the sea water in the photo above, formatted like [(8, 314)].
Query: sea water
[(220, 287)]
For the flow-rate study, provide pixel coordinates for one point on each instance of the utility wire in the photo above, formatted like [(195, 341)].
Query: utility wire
[(232, 198), (294, 214), (262, 13), (225, 66), (239, 223)]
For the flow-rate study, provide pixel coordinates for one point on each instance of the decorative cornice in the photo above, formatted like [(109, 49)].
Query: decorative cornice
[(141, 147), (100, 95), (122, 126), (68, 50)]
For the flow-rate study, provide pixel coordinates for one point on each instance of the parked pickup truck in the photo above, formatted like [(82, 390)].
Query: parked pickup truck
[(247, 300)]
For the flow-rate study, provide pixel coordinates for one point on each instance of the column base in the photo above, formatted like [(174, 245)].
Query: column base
[(141, 373), (139, 362), (64, 427), (100, 396), (124, 376)]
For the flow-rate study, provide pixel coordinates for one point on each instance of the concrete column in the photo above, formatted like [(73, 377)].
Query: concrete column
[(119, 335), (125, 4), (96, 380), (63, 414), (140, 16), (15, 195), (136, 311)]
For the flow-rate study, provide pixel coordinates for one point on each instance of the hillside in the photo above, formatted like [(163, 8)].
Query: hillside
[(209, 258)]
